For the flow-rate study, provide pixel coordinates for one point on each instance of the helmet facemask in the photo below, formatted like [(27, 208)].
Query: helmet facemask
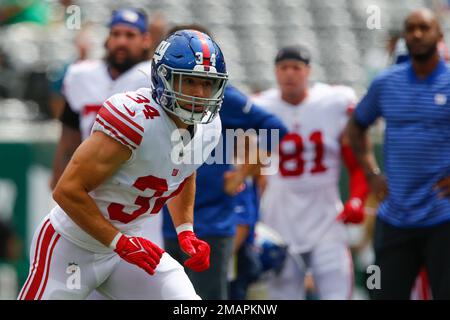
[(191, 109)]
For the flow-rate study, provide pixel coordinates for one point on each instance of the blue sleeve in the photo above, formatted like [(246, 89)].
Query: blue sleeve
[(245, 207), (368, 109), (242, 216), (239, 112)]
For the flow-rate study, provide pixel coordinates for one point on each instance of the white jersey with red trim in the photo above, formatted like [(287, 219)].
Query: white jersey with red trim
[(155, 173), (88, 83), (302, 200)]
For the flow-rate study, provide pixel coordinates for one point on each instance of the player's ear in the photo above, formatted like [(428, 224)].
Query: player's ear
[(307, 70), (147, 40), (440, 33)]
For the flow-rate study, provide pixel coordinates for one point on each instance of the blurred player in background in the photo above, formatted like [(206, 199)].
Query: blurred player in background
[(123, 174), (413, 219), (302, 201)]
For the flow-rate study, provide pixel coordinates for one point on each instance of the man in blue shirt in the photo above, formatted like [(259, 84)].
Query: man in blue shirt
[(413, 224), (215, 221)]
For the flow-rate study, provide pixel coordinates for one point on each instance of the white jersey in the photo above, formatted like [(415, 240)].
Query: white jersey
[(302, 200), (155, 173), (88, 83)]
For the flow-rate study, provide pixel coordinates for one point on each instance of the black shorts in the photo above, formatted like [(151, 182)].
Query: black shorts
[(401, 253)]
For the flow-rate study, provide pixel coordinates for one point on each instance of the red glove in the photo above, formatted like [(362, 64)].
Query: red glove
[(359, 189), (353, 211), (198, 249), (139, 251)]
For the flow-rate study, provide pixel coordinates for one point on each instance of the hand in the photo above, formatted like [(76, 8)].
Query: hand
[(233, 183), (197, 249), (353, 211), (378, 186), (139, 251), (444, 187)]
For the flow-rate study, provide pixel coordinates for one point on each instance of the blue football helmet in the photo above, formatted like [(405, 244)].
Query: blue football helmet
[(271, 248), (189, 53)]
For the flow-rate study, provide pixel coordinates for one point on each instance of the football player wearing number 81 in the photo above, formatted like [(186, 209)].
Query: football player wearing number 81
[(123, 174), (302, 201)]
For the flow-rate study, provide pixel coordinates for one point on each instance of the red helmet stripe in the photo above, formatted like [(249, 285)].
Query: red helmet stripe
[(205, 48)]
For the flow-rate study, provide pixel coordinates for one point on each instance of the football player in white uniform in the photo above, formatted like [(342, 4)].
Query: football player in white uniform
[(88, 83), (302, 200), (135, 160)]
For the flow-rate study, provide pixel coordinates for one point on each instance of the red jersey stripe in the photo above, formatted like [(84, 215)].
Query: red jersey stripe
[(120, 126), (114, 132), (120, 113), (91, 108)]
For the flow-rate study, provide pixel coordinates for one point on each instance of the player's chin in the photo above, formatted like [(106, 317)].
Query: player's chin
[(122, 60), (290, 86)]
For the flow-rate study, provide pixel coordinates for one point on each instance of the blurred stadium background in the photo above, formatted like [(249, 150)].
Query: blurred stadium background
[(42, 38)]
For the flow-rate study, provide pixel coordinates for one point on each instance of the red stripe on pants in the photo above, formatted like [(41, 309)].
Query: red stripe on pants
[(30, 276), (41, 264), (49, 260)]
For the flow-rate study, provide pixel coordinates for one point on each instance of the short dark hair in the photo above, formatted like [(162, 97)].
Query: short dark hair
[(295, 52)]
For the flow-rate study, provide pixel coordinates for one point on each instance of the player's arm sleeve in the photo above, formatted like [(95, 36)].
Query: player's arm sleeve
[(273, 129), (242, 208), (70, 118), (120, 119), (241, 112), (368, 109), (261, 119)]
